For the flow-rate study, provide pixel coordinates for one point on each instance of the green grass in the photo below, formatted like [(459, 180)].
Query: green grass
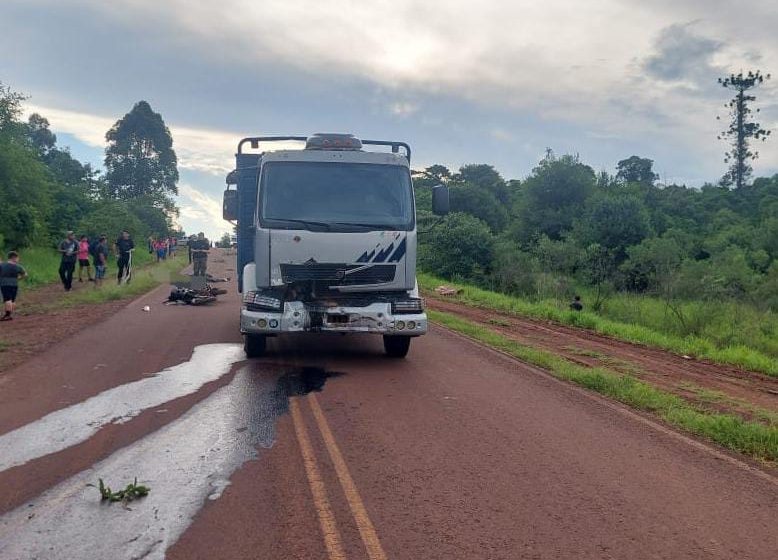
[(741, 354), (42, 265), (751, 438), (717, 397), (143, 280)]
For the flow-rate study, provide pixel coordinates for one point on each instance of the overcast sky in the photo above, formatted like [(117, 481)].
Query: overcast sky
[(463, 82)]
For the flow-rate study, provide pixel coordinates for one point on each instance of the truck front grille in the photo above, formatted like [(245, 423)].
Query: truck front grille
[(336, 274)]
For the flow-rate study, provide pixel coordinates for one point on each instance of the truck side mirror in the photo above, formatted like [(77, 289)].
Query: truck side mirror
[(440, 202), (230, 205)]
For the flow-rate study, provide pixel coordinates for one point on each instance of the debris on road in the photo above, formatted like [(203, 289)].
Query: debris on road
[(447, 291), (186, 296), (146, 308), (133, 491)]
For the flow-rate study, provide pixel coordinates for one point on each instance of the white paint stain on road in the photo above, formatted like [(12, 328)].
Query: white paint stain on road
[(72, 425), (184, 464)]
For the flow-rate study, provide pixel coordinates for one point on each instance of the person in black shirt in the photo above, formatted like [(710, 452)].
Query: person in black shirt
[(576, 304), (10, 273), (191, 240), (124, 245), (200, 248), (69, 250)]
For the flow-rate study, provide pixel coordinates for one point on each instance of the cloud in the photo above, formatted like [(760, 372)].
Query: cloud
[(403, 108), (682, 55), (502, 135), (635, 76), (200, 210)]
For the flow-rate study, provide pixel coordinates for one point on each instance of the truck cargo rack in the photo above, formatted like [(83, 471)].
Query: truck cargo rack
[(255, 140)]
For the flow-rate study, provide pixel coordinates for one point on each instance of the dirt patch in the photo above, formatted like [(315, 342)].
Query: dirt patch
[(710, 386), (36, 326)]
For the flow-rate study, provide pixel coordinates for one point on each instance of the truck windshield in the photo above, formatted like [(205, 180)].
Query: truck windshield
[(336, 196)]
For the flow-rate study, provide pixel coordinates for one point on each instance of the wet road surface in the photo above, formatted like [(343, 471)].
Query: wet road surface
[(326, 449)]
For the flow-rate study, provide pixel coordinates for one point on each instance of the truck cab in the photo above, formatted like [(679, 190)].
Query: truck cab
[(326, 239)]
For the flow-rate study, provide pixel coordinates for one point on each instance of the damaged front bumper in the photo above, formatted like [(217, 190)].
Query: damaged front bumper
[(301, 317)]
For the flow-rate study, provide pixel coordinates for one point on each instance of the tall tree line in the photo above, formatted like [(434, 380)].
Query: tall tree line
[(566, 227), (45, 191)]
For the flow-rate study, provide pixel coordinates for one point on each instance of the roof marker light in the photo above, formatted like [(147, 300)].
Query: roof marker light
[(321, 141)]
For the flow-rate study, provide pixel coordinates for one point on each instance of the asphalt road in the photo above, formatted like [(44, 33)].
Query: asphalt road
[(326, 449)]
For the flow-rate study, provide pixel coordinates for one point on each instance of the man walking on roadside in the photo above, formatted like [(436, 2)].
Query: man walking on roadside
[(69, 250), (10, 274), (124, 245), (200, 248)]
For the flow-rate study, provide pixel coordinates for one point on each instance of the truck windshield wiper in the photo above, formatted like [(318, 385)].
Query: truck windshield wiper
[(307, 223), (371, 226)]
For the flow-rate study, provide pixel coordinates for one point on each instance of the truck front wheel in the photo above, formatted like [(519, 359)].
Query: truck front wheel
[(254, 345), (397, 346)]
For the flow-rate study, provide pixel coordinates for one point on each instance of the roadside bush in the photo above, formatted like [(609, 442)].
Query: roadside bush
[(460, 247), (514, 271)]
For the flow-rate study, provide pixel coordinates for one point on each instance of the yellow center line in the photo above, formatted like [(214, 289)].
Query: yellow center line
[(365, 526), (329, 528)]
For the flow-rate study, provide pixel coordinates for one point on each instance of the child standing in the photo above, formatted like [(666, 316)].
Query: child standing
[(83, 259), (10, 273)]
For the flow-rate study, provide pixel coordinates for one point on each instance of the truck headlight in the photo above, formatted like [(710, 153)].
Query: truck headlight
[(264, 301), (415, 305)]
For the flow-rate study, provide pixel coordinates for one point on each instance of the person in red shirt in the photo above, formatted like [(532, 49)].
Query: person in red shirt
[(83, 259), (161, 248)]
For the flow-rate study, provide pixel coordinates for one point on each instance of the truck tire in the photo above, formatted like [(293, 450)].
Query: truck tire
[(254, 345), (397, 346)]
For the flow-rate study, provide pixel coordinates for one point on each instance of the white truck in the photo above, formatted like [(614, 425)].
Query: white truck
[(326, 239)]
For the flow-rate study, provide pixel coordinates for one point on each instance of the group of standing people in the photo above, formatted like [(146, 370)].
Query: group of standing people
[(79, 251), (163, 247)]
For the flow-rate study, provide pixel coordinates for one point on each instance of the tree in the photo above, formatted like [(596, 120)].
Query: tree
[(481, 203), (741, 128), (25, 185), (140, 160), (553, 197), (635, 169), (10, 108), (615, 222), (484, 177), (41, 137), (597, 268), (460, 247), (437, 173)]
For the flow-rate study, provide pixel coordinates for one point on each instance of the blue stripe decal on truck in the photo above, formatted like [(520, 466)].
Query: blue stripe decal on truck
[(366, 256), (384, 254), (399, 253)]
